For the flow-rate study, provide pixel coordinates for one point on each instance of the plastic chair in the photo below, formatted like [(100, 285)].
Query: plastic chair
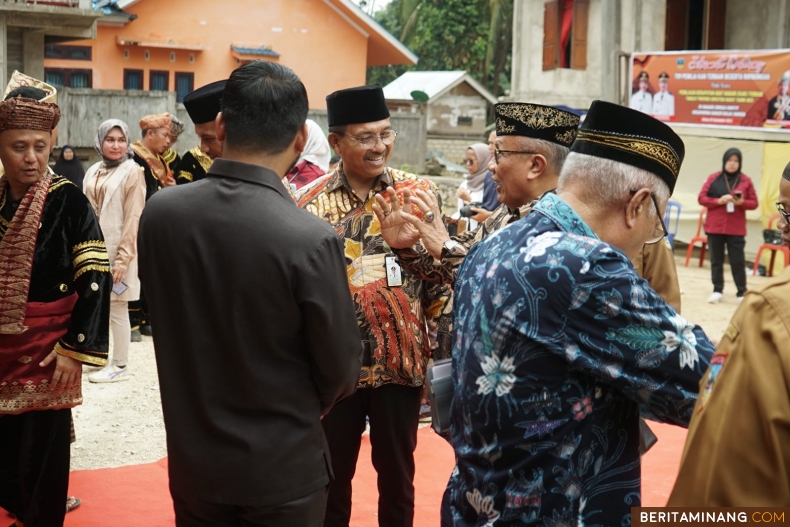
[(672, 206), (699, 237), (773, 248)]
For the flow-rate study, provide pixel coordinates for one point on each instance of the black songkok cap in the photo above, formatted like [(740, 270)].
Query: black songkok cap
[(203, 104), (629, 136), (363, 104), (536, 121)]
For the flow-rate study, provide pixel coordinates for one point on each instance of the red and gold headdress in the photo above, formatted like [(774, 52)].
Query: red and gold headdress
[(19, 113)]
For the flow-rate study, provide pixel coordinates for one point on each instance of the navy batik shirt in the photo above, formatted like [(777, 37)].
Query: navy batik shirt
[(558, 347)]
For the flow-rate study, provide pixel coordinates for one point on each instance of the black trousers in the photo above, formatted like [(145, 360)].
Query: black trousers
[(735, 246), (34, 466), (303, 512), (394, 413), (138, 312)]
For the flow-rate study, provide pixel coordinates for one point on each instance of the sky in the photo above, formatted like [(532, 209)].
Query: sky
[(376, 4)]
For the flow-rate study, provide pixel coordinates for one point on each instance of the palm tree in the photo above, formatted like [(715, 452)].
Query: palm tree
[(500, 36), (409, 13), (500, 42)]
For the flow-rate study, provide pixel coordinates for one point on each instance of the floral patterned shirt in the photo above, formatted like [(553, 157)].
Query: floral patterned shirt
[(393, 320), (558, 346)]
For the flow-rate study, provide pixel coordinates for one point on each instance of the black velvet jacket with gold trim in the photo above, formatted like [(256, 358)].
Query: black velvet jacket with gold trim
[(152, 184), (71, 258), (193, 166)]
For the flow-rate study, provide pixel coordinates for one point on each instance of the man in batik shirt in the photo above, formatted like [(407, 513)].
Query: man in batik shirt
[(54, 313), (559, 344), (203, 106), (393, 309)]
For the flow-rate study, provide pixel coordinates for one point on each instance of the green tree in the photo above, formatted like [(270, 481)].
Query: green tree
[(471, 35)]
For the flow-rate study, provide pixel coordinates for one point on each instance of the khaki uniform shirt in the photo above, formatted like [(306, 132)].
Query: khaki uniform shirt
[(738, 447), (656, 264)]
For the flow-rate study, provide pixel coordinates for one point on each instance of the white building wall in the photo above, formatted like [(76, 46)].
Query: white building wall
[(614, 26)]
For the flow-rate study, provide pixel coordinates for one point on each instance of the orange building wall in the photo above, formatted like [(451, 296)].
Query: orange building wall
[(322, 48)]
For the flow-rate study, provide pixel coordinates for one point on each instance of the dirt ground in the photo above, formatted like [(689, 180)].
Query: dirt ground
[(121, 423), (696, 287)]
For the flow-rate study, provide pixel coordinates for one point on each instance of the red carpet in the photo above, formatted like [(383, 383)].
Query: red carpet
[(138, 496)]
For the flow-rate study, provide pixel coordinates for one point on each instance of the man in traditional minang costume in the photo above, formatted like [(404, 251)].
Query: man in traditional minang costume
[(54, 313)]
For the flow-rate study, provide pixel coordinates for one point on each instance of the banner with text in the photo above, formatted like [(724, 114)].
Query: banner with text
[(723, 88)]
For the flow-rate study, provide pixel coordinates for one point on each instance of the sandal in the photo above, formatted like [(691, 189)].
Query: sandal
[(72, 503)]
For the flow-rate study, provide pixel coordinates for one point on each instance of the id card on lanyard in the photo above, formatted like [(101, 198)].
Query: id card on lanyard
[(394, 272), (731, 205)]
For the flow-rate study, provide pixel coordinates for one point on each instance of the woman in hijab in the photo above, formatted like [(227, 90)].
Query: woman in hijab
[(69, 166), (115, 186), (314, 161), (478, 156), (727, 194)]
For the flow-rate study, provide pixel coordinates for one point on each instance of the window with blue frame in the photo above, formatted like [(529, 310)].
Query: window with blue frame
[(80, 80), (68, 78), (132, 79), (159, 80), (54, 77), (185, 84)]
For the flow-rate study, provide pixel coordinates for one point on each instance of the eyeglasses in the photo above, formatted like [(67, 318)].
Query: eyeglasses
[(784, 213), (469, 162), (660, 232), (369, 141), (498, 153)]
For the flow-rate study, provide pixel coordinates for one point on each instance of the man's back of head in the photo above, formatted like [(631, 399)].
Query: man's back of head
[(622, 163), (264, 106)]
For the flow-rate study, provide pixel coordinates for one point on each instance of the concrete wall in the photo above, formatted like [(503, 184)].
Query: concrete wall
[(757, 24), (83, 110), (188, 139), (24, 29), (444, 114), (15, 55), (614, 26), (453, 148), (33, 50), (463, 101)]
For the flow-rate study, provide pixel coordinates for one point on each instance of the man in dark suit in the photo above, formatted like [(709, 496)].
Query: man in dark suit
[(256, 336)]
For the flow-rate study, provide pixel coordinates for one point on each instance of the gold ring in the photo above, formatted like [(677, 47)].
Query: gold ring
[(387, 213), (429, 217)]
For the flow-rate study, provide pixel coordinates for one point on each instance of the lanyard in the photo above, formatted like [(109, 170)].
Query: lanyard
[(727, 182)]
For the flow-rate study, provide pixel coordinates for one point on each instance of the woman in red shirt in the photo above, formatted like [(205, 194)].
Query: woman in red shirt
[(727, 194)]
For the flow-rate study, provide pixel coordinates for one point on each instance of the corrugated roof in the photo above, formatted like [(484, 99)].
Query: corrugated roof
[(258, 51), (433, 83), (430, 82)]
